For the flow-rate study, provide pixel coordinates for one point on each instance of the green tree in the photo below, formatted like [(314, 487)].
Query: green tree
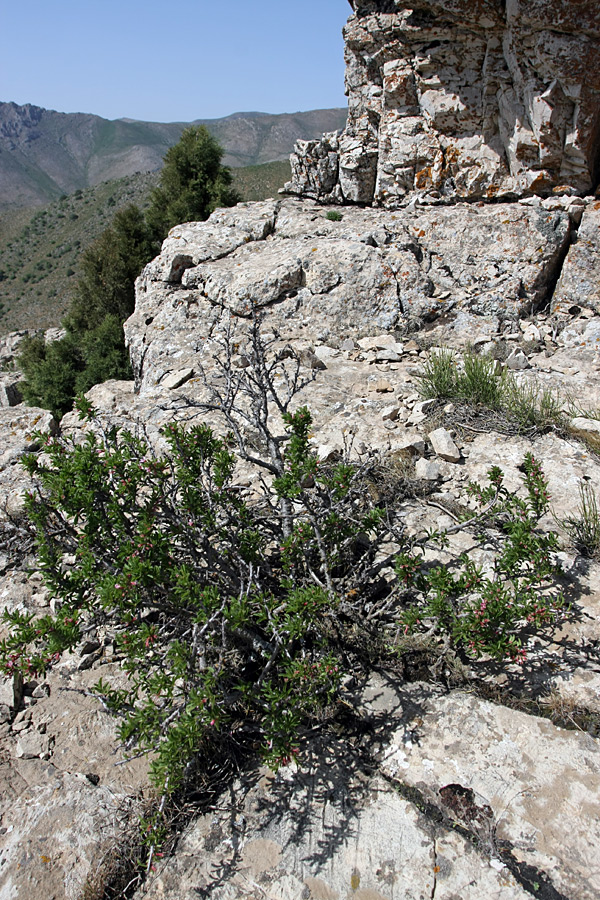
[(50, 372), (109, 267), (193, 182), (58, 371)]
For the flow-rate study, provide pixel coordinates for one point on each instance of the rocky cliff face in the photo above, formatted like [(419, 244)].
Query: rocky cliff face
[(462, 99)]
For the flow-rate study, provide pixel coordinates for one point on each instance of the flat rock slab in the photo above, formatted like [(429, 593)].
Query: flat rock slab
[(66, 794), (565, 464), (514, 780), (18, 425), (53, 837), (326, 833)]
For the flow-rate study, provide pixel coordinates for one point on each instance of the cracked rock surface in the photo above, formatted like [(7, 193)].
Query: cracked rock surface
[(330, 832), (447, 796), (370, 272), (461, 99)]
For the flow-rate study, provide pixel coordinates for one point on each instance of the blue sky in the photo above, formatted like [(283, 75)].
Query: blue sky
[(178, 61)]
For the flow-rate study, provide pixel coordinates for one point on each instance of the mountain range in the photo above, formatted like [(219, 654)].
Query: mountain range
[(44, 153)]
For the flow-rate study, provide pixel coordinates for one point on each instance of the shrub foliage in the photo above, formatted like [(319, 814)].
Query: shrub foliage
[(235, 612)]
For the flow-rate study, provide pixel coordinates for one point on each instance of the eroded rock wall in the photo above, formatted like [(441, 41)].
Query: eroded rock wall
[(462, 99)]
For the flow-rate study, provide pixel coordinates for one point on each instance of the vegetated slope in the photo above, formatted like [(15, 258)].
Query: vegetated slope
[(262, 181), (38, 260), (40, 248), (253, 138), (44, 153)]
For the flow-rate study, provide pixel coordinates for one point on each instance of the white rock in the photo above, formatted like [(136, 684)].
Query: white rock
[(390, 413), (428, 470), (32, 744), (586, 429), (176, 379), (517, 361), (531, 783), (10, 394), (11, 690), (412, 445), (443, 445)]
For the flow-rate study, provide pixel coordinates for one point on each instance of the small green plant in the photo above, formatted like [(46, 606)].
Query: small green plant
[(333, 215), (439, 378), (531, 405), (485, 612), (473, 378), (477, 379), (584, 528)]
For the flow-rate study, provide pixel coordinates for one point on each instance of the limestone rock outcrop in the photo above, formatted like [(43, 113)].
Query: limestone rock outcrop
[(477, 797), (369, 272), (457, 99), (503, 798)]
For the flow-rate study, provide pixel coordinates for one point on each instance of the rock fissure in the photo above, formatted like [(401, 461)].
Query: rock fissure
[(436, 869), (535, 882), (548, 285)]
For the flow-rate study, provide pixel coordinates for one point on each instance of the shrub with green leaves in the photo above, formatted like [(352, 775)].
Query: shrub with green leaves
[(220, 609), (483, 612), (236, 613)]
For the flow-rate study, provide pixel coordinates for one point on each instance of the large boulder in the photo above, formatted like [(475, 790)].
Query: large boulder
[(462, 100), (369, 272)]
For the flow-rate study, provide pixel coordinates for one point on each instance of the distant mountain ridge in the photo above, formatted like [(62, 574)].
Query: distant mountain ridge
[(44, 153)]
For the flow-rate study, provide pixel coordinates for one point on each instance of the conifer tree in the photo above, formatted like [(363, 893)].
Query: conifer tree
[(192, 184)]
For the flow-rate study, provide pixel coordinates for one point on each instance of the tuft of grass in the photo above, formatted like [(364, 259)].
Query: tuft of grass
[(576, 410), (334, 216), (439, 378), (531, 405), (584, 528), (477, 379)]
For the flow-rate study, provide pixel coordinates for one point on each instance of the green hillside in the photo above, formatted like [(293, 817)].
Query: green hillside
[(260, 182), (40, 248)]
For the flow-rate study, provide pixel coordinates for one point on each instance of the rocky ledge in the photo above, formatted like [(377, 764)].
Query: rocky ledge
[(371, 270)]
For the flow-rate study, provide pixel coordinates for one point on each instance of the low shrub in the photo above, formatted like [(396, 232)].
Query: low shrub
[(238, 615)]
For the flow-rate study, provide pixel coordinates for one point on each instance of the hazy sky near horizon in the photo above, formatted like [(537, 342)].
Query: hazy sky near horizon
[(196, 59)]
